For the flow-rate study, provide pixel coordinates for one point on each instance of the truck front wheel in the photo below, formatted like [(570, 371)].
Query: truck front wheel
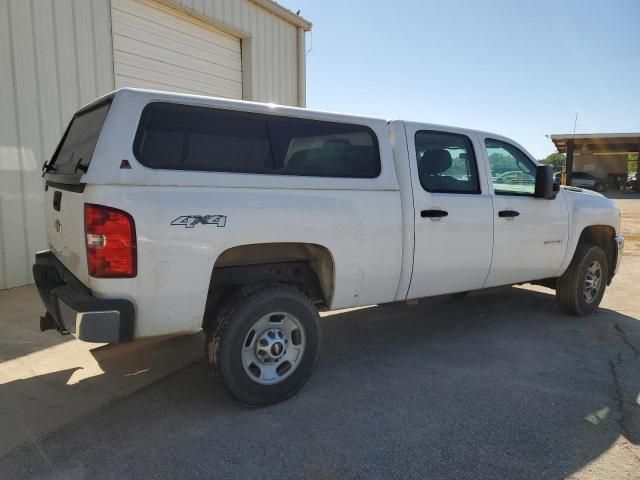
[(264, 343), (581, 288)]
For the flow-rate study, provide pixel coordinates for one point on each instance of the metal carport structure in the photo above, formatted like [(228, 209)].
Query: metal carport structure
[(596, 152)]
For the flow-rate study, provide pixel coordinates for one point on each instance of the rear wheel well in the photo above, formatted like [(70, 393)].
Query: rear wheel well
[(603, 237), (307, 267)]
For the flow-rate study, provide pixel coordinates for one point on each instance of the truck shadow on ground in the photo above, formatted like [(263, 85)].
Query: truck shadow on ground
[(492, 386), (19, 324), (69, 379)]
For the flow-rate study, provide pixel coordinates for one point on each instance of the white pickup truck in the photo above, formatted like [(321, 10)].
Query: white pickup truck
[(170, 214)]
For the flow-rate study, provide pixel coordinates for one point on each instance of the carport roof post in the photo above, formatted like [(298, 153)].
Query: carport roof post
[(567, 177), (599, 143)]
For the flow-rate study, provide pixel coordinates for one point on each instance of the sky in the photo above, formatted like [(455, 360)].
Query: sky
[(520, 68)]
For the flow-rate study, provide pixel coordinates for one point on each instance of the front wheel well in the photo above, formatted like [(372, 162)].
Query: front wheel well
[(304, 266), (603, 237)]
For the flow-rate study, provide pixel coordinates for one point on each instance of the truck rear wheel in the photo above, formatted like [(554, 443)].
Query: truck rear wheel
[(264, 344), (581, 288)]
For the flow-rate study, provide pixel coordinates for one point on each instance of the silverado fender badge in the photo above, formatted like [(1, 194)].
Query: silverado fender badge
[(190, 221)]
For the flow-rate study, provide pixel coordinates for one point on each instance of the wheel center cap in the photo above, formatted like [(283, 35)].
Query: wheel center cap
[(270, 347), (276, 349)]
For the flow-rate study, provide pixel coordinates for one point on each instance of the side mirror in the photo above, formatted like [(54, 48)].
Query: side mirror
[(544, 183)]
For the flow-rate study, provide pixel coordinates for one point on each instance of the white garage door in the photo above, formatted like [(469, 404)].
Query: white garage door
[(160, 48)]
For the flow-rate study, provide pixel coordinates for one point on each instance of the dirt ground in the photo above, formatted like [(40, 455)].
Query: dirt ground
[(630, 228)]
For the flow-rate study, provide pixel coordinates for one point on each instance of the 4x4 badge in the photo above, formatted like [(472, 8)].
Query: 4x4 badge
[(190, 221)]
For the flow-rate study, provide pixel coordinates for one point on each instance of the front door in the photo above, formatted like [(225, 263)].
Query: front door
[(452, 209), (530, 234)]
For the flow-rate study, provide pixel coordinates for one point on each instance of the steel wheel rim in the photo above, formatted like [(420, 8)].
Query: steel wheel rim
[(273, 348), (592, 282)]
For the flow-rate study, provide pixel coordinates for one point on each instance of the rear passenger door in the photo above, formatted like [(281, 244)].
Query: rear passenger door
[(453, 212)]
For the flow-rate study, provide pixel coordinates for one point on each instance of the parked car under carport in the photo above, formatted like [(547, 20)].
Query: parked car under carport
[(584, 180)]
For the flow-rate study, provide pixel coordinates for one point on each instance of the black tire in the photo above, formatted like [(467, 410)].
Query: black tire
[(570, 286), (226, 336)]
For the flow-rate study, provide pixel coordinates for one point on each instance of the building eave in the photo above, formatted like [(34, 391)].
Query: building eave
[(571, 136), (284, 13), (598, 142)]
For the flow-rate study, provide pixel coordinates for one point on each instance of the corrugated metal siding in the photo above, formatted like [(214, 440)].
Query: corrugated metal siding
[(55, 56), (158, 47), (274, 63)]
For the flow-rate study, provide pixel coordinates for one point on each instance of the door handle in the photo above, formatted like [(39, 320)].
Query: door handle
[(57, 200), (433, 213), (508, 213)]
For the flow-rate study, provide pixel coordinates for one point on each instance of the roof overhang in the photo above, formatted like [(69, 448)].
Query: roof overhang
[(611, 143), (284, 13)]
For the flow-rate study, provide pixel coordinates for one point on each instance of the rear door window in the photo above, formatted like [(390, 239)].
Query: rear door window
[(184, 137), (446, 162), (73, 155)]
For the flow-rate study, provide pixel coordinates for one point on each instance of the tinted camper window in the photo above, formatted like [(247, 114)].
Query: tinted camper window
[(324, 149), (194, 138), (184, 137), (73, 155)]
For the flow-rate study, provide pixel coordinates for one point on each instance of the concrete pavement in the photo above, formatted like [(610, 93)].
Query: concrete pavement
[(47, 380)]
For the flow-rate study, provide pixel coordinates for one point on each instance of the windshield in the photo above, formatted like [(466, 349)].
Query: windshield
[(74, 153)]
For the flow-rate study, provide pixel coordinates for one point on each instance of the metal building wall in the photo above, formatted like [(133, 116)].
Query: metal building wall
[(276, 68), (55, 56)]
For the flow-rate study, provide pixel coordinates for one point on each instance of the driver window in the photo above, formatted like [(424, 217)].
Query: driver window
[(512, 172)]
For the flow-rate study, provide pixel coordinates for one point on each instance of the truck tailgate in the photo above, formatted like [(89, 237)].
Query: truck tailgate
[(65, 229)]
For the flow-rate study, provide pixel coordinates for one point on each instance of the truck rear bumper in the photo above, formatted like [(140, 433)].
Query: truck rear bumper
[(72, 308)]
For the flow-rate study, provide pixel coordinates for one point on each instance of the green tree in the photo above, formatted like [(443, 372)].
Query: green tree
[(556, 160), (501, 163)]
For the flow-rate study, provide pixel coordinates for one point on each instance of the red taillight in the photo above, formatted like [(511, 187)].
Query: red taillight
[(111, 242)]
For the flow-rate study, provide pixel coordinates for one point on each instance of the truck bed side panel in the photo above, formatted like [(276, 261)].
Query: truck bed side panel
[(359, 228)]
